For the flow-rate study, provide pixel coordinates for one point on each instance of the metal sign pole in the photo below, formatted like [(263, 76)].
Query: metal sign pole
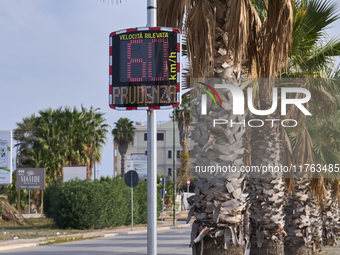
[(19, 208), (152, 154), (131, 204), (152, 183), (29, 201), (174, 170), (163, 200)]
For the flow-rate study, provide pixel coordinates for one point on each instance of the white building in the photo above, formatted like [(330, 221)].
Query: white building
[(164, 147)]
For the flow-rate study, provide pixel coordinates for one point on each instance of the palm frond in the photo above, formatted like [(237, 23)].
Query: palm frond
[(200, 30), (171, 13)]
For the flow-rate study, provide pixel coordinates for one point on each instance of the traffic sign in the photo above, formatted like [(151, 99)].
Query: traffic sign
[(131, 178), (145, 68), (164, 180), (163, 192), (188, 182)]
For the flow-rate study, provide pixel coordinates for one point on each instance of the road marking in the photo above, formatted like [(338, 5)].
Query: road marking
[(180, 232)]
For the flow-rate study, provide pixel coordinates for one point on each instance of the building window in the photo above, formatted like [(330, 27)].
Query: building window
[(169, 154), (178, 154), (160, 136), (169, 171)]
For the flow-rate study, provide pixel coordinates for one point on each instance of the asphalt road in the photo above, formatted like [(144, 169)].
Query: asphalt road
[(172, 241)]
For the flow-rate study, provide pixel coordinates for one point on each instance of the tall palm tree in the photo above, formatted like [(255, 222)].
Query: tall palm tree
[(311, 57), (94, 125), (222, 38), (123, 136)]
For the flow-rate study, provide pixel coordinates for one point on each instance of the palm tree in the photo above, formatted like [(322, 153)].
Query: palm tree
[(222, 38), (26, 138), (93, 125), (311, 57), (123, 136), (59, 137), (183, 120)]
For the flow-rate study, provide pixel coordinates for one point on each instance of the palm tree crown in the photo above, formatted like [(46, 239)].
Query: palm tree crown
[(123, 136)]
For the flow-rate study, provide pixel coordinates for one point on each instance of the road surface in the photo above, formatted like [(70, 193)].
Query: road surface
[(173, 241)]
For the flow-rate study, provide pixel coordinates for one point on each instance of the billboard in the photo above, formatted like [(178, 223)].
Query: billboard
[(31, 178), (137, 163), (5, 157), (74, 172)]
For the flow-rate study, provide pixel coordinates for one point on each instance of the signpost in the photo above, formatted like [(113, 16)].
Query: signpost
[(145, 75), (30, 179), (131, 179), (6, 157), (139, 163)]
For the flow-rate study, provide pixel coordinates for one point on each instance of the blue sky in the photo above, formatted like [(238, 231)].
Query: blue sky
[(55, 53)]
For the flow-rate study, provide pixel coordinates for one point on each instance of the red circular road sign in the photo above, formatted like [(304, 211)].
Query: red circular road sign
[(188, 182)]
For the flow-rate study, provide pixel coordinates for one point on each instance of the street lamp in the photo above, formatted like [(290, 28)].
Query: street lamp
[(94, 140)]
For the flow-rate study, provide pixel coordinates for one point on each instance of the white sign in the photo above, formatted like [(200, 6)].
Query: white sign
[(5, 157), (74, 172), (137, 163)]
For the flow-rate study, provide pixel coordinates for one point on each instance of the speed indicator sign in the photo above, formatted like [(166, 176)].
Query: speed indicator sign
[(145, 68)]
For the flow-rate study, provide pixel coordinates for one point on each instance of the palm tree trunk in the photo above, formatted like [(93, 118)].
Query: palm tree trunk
[(302, 221), (122, 166), (330, 219), (266, 191), (185, 165), (220, 203), (212, 246)]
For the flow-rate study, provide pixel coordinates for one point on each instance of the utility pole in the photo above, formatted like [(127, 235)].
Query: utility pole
[(152, 154)]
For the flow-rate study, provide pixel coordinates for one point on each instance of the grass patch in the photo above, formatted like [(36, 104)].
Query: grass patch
[(67, 239), (41, 227)]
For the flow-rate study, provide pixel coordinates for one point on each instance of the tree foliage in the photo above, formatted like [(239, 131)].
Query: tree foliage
[(123, 136), (60, 137)]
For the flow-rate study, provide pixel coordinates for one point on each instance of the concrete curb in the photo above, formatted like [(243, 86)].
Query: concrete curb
[(18, 246), (145, 230), (88, 235)]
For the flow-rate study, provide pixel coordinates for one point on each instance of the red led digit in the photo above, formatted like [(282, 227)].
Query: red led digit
[(134, 61), (164, 63)]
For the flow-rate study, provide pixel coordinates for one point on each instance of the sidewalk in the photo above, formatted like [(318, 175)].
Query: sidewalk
[(180, 216), (24, 243)]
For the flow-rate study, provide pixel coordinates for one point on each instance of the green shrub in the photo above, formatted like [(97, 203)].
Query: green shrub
[(105, 203)]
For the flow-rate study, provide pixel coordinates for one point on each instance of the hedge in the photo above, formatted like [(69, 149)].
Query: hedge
[(99, 204)]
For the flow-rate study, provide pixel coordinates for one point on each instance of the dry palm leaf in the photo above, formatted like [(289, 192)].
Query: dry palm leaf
[(171, 13), (201, 38), (9, 212)]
